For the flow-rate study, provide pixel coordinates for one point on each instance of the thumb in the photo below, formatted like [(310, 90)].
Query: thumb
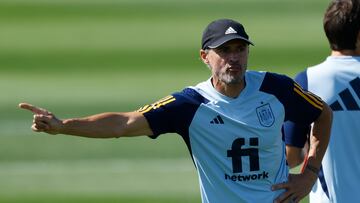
[(34, 109)]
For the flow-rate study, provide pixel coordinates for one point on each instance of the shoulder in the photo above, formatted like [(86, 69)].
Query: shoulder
[(274, 82), (177, 100), (173, 113), (189, 95)]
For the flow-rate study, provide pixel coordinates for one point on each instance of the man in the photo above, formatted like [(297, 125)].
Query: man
[(231, 123), (337, 81)]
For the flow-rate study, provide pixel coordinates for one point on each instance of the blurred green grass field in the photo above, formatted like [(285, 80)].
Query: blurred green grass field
[(81, 57)]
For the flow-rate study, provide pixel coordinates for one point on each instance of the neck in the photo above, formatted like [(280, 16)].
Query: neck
[(346, 52), (229, 90)]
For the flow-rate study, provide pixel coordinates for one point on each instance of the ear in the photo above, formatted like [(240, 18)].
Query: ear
[(204, 56)]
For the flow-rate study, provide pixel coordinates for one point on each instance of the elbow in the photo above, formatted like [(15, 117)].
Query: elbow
[(114, 125), (324, 122), (118, 132), (326, 115)]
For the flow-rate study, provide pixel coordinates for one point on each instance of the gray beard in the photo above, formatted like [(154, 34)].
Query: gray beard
[(227, 78), (230, 80)]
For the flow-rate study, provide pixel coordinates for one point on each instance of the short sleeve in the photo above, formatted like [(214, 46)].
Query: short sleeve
[(301, 106), (296, 134), (174, 113)]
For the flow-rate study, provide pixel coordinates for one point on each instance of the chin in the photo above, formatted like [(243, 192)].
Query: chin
[(233, 81)]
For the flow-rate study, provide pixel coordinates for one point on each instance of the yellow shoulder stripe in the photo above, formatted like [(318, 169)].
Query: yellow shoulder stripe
[(311, 98), (157, 104), (314, 97)]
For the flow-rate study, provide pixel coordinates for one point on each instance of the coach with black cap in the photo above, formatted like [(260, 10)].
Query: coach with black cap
[(225, 51), (231, 124)]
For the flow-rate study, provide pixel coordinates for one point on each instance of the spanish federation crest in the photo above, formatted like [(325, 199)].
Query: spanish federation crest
[(265, 115)]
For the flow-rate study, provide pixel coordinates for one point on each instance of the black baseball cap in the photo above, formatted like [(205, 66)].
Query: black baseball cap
[(223, 30)]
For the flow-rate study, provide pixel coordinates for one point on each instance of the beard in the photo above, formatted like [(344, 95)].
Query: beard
[(230, 78)]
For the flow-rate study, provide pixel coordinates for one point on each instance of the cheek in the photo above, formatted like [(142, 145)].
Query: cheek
[(217, 62), (216, 66)]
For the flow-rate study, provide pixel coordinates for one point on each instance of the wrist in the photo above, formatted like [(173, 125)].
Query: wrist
[(312, 169), (58, 127), (61, 127)]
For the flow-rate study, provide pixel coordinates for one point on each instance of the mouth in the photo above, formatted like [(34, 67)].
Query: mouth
[(234, 68)]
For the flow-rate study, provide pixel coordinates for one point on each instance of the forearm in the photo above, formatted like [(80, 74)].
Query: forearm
[(295, 156), (105, 125), (319, 138)]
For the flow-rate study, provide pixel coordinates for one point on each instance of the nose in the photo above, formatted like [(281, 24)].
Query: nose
[(234, 57)]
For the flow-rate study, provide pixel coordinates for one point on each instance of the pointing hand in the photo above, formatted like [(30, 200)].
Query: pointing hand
[(44, 121)]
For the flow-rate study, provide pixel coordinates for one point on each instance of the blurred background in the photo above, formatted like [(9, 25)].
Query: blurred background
[(81, 57)]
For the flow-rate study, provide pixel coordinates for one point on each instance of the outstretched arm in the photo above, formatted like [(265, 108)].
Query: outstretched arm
[(104, 125)]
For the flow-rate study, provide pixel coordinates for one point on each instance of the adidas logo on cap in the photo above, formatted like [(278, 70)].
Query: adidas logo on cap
[(230, 30)]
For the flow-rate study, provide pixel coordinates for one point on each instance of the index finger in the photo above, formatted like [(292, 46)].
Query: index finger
[(33, 108)]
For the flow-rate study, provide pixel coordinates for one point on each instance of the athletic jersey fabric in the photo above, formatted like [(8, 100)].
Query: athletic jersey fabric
[(236, 143), (337, 82)]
